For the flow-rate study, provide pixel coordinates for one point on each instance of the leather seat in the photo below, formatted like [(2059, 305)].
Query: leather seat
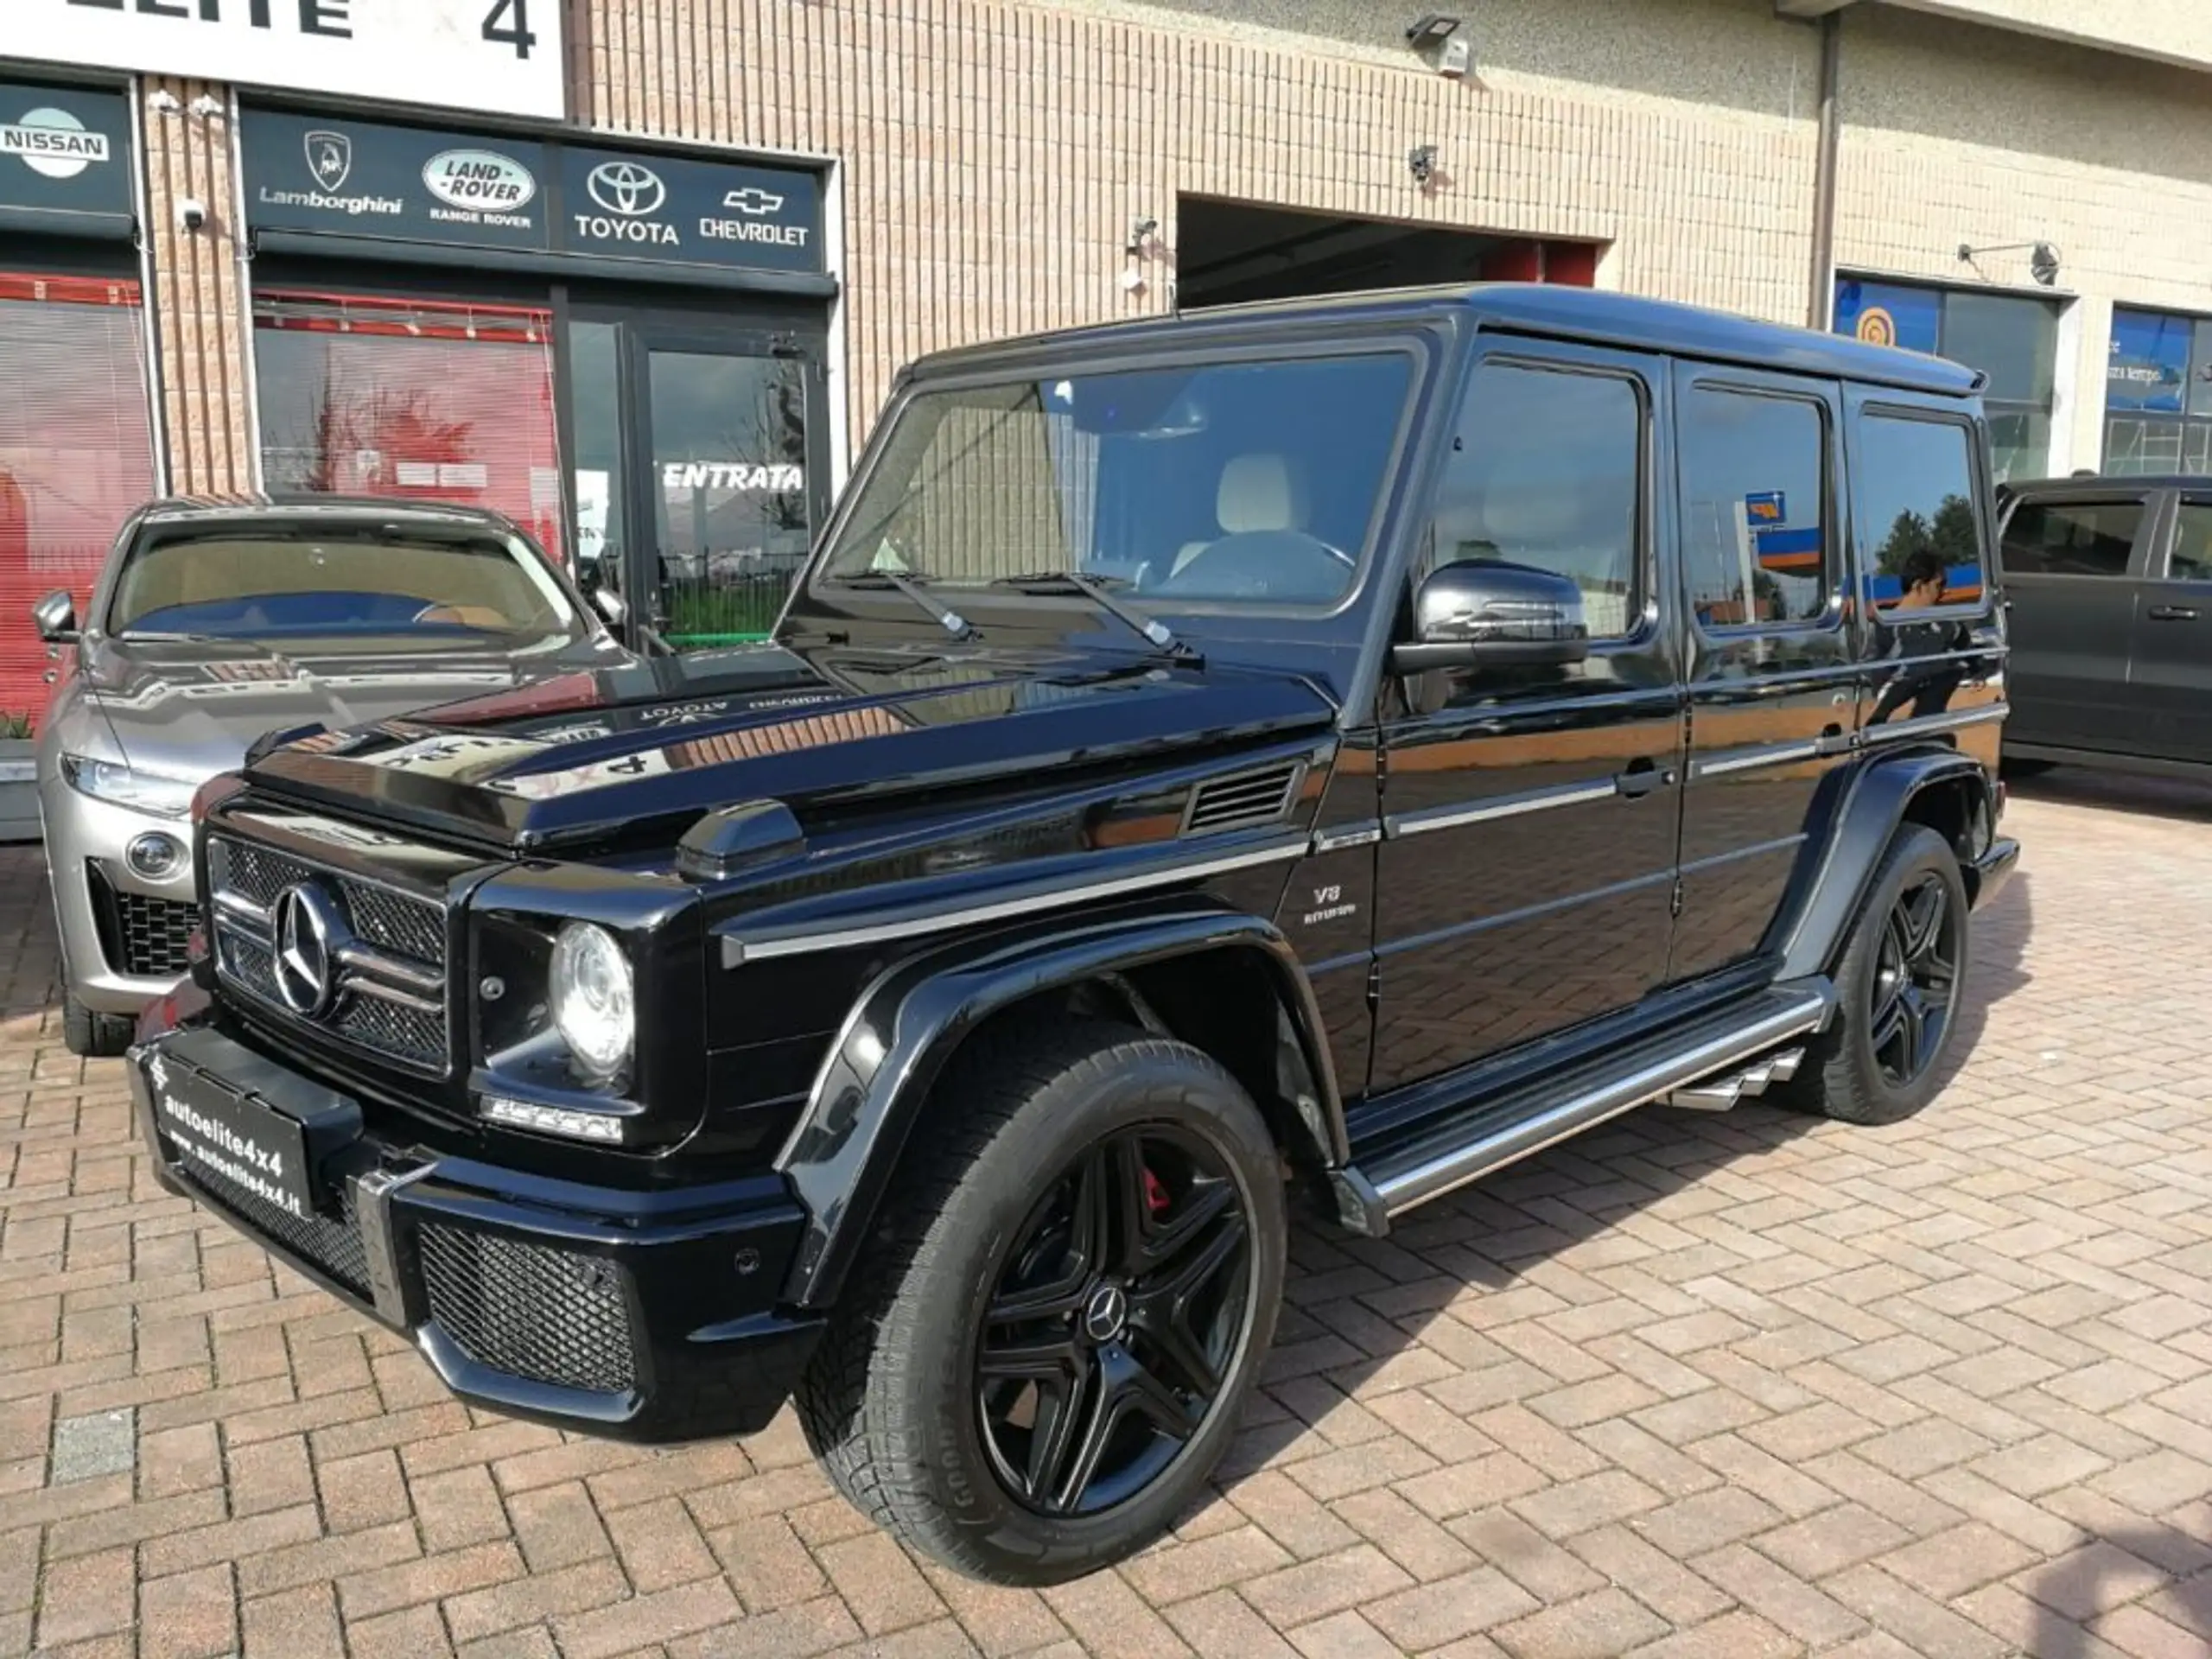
[(1258, 493)]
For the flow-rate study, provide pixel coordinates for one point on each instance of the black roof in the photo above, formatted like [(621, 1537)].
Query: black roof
[(1594, 315)]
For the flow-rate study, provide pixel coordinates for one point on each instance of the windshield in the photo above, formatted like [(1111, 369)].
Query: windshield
[(373, 583), (1220, 484)]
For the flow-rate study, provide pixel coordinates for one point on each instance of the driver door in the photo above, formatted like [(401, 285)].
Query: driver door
[(1526, 877)]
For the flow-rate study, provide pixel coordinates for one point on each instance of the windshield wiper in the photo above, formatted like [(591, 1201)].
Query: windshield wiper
[(1157, 633), (948, 619)]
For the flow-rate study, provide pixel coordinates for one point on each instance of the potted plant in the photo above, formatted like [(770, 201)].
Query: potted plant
[(18, 779)]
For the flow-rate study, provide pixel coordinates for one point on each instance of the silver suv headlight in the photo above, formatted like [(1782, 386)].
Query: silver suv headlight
[(594, 998), (123, 786)]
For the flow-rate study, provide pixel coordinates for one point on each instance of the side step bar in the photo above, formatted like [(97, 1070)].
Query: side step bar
[(1713, 1060)]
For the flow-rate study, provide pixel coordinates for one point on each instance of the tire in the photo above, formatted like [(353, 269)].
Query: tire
[(95, 1035), (1882, 1055), (897, 1404)]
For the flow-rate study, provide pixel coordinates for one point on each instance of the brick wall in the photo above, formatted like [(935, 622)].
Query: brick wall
[(199, 317)]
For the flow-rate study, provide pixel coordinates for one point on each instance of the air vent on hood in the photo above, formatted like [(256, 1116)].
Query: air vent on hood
[(1251, 798)]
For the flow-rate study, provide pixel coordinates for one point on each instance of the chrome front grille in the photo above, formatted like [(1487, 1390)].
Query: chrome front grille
[(387, 971)]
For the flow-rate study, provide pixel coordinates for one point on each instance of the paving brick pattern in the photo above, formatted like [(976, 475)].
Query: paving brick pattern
[(1700, 1386)]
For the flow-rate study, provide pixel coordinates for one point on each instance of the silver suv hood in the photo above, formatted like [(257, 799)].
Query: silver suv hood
[(190, 708)]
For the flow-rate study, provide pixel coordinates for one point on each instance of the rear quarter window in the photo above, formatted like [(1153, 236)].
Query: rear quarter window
[(1920, 533)]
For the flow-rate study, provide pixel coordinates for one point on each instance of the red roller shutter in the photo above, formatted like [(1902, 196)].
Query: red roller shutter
[(76, 452), (420, 400)]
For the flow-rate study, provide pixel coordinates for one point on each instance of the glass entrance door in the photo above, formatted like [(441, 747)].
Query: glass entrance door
[(701, 471)]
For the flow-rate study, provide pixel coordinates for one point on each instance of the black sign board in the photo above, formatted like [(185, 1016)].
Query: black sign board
[(671, 209), (65, 159), (310, 173), (658, 214)]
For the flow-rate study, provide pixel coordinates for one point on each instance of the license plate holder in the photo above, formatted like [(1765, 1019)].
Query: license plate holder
[(230, 1113)]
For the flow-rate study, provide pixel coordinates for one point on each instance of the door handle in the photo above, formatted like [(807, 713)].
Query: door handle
[(1641, 777), (2171, 613)]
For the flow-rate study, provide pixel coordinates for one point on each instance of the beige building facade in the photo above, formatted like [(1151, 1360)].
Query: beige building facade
[(1997, 179)]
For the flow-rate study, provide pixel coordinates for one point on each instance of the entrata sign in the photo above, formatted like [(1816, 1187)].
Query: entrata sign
[(657, 213), (498, 55), (65, 150)]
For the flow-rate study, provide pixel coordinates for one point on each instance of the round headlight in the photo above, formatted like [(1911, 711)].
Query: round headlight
[(594, 1005)]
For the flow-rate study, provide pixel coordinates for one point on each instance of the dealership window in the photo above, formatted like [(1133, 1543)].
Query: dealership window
[(417, 400), (76, 452), (2012, 338), (2159, 393)]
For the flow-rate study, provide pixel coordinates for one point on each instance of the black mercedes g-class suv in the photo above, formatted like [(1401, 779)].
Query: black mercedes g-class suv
[(1313, 752)]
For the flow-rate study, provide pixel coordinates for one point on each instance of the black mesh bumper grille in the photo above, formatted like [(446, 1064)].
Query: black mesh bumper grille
[(332, 1246), (141, 934), (391, 921), (411, 1034), (530, 1311)]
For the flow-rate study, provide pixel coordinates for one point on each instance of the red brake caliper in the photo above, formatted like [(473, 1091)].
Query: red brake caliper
[(1155, 1194)]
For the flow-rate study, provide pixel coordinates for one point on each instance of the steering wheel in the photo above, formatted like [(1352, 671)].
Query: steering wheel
[(1263, 564)]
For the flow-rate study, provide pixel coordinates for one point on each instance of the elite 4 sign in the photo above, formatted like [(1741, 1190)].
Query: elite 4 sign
[(502, 55)]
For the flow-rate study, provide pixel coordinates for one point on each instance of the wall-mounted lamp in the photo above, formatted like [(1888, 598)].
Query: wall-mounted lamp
[(1144, 231), (2043, 258), (1420, 161), (1437, 37)]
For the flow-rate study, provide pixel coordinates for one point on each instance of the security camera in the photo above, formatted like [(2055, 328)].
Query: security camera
[(191, 213), (161, 101), (1421, 162), (206, 106)]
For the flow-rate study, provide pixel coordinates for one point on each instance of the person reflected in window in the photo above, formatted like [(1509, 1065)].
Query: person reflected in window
[(1913, 693)]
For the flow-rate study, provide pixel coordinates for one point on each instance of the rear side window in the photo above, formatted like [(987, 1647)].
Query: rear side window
[(1754, 505), (1919, 535), (2192, 560), (2072, 538)]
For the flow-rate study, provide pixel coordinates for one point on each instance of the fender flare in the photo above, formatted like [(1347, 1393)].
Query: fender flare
[(840, 1156), (1879, 799)]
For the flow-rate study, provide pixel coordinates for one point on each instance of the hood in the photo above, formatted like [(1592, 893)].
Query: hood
[(190, 708), (646, 748)]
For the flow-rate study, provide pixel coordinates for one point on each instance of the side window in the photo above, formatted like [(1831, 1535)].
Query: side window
[(1755, 543), (2072, 538), (1919, 536), (2192, 557), (1544, 470)]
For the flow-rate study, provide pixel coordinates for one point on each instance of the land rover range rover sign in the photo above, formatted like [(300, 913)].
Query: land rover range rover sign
[(496, 55)]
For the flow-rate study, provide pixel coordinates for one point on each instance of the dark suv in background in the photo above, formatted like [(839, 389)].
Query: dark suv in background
[(2109, 584), (1318, 752)]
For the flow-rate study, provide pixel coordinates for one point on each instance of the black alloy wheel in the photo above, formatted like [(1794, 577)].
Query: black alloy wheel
[(1112, 1321), (1915, 982)]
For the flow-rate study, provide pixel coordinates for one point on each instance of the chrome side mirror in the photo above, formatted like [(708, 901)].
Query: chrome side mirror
[(55, 618), (1478, 612), (608, 604)]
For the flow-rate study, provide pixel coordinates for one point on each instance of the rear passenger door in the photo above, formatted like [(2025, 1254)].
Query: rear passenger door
[(1772, 671), (2073, 570), (2170, 662)]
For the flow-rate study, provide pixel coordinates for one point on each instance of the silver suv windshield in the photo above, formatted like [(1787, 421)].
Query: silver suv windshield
[(1204, 486)]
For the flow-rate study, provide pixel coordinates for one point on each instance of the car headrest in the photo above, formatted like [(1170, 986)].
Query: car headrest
[(1518, 513), (1259, 491)]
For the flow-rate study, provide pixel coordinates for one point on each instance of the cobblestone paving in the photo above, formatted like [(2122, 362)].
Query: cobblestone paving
[(1700, 1386)]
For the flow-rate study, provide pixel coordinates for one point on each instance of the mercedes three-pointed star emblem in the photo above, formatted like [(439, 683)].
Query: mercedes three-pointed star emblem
[(307, 930)]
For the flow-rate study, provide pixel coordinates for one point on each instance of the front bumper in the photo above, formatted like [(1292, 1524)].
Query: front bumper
[(81, 830), (638, 1316)]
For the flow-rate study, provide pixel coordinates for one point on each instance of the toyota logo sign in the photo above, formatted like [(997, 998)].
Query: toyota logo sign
[(627, 188)]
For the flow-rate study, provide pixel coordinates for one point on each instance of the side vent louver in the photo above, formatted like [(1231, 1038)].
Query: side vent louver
[(1231, 802)]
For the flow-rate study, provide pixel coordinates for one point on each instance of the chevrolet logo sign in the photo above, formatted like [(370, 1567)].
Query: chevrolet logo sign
[(753, 199)]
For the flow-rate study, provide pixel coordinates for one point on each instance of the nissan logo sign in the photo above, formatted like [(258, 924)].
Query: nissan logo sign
[(627, 188)]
